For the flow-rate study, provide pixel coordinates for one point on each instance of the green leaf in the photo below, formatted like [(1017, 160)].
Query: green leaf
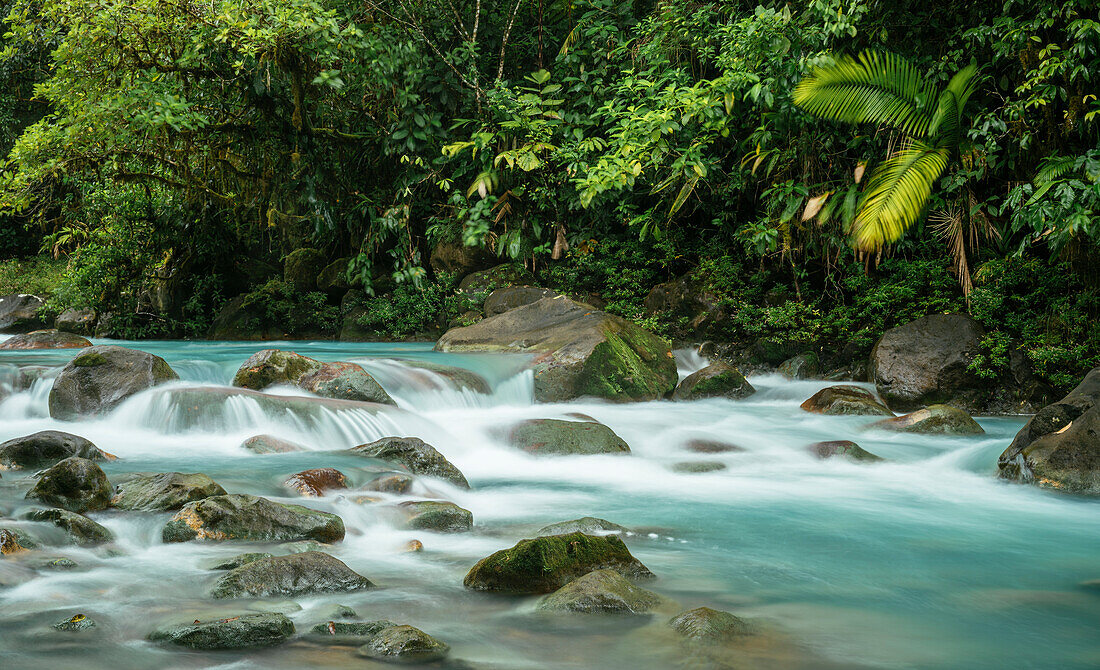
[(897, 193)]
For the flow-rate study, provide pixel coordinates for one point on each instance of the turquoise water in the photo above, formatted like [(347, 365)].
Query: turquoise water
[(923, 561)]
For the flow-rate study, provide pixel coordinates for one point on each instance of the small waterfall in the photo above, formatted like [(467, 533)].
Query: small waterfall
[(420, 386), (688, 361)]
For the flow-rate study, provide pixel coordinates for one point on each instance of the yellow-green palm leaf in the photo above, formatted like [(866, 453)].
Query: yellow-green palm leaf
[(897, 192)]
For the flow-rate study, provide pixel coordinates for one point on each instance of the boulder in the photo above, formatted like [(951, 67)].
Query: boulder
[(242, 319), (19, 313), (546, 564), (845, 448), (417, 455), (294, 575), (500, 276), (164, 491), (683, 300), (269, 444), (239, 560), (455, 258), (251, 518), (802, 366), (404, 644), (441, 516), (717, 380), (45, 339), (238, 632), (925, 362), (317, 481), (504, 299), (301, 268), (600, 592), (589, 525), (342, 381), (46, 448), (78, 321), (394, 482), (333, 278), (845, 400), (79, 529), (75, 484), (933, 420), (580, 351), (704, 624), (99, 378), (273, 366), (566, 438), (1059, 448), (353, 633), (459, 378)]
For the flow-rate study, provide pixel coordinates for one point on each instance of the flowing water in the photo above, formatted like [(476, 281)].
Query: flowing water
[(925, 560)]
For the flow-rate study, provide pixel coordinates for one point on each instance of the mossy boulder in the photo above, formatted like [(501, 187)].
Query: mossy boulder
[(316, 481), (704, 624), (845, 400), (333, 278), (79, 529), (46, 448), (437, 515), (802, 366), (499, 276), (251, 518), (404, 644), (239, 632), (717, 380), (545, 564), (580, 351), (75, 484), (600, 592), (99, 378), (589, 525), (339, 380), (273, 366), (301, 268), (417, 455), (45, 339), (843, 448), (352, 633), (164, 491), (933, 420), (566, 438), (269, 444), (294, 575)]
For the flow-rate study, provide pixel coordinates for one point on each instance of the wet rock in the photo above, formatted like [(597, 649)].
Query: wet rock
[(251, 518), (239, 632), (273, 366), (600, 592), (444, 517), (1059, 448), (698, 467), (339, 612), (802, 366), (341, 381), (19, 313), (717, 380), (701, 446), (546, 564), (80, 530), (99, 378), (45, 339), (301, 268), (686, 301), (269, 444), (164, 491), (933, 420), (404, 644), (581, 351), (333, 278), (704, 624), (417, 455), (9, 543), (566, 438), (391, 483), (201, 407), (504, 299), (588, 525), (353, 633), (302, 546), (46, 448), (317, 482), (845, 400), (239, 560), (413, 546), (77, 623), (845, 448), (460, 378), (294, 575), (78, 321), (74, 484), (53, 563), (926, 362)]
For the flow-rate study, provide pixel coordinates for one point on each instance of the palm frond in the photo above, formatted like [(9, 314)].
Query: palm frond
[(897, 193), (946, 123), (880, 88), (1054, 168)]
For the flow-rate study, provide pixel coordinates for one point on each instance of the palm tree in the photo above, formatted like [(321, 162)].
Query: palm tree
[(885, 89)]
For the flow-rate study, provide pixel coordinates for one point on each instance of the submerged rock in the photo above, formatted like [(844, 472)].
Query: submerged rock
[(77, 623), (701, 446), (445, 517), (717, 380), (562, 438), (845, 400), (581, 351), (698, 467), (46, 448), (9, 542), (251, 518), (404, 644), (546, 564), (394, 482), (269, 444), (341, 381), (52, 563), (75, 484), (845, 448), (600, 592), (417, 455), (936, 419), (353, 633), (460, 378), (164, 491), (294, 575), (99, 378), (239, 632), (317, 482), (709, 625), (588, 525), (80, 530), (203, 407), (45, 339), (239, 560)]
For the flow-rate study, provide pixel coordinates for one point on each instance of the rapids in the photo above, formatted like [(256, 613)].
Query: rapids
[(923, 561)]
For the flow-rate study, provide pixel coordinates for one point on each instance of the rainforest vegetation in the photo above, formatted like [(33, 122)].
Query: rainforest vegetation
[(791, 176)]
